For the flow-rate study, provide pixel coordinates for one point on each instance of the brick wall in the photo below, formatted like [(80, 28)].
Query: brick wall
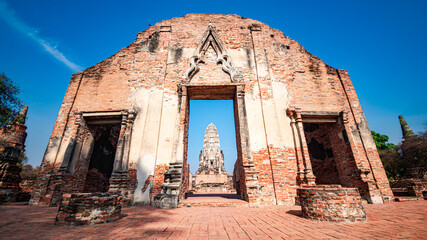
[(148, 77)]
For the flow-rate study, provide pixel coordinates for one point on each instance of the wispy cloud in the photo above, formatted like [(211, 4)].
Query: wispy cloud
[(8, 15)]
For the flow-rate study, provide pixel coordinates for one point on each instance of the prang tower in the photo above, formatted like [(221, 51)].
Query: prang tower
[(211, 158)]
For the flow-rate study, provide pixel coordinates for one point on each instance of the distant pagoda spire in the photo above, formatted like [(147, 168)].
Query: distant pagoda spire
[(22, 116), (19, 118), (211, 158), (406, 130)]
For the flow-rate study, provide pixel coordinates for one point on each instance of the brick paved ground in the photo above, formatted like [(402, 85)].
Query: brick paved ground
[(406, 220)]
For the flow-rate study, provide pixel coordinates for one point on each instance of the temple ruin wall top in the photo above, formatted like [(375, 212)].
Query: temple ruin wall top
[(160, 57)]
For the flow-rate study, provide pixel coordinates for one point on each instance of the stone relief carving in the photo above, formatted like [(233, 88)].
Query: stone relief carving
[(210, 38)]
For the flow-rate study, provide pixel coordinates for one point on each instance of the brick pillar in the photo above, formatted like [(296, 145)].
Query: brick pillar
[(73, 133), (127, 136), (249, 187), (309, 177), (181, 155), (297, 143), (119, 181), (117, 167)]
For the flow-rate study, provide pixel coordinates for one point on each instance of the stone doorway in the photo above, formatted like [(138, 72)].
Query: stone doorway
[(102, 158), (216, 92), (212, 146), (330, 152)]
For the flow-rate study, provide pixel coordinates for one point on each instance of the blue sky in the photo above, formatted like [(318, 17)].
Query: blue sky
[(220, 113), (380, 43)]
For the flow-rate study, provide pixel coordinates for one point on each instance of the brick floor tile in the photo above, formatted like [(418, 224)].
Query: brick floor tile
[(406, 220)]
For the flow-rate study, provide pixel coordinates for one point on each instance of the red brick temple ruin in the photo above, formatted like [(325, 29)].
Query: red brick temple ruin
[(413, 182), (123, 124), (12, 144)]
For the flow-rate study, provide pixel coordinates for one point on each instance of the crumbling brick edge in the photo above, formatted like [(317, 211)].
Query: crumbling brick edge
[(88, 209)]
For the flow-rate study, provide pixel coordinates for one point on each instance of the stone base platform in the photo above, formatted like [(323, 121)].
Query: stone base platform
[(213, 200), (331, 203)]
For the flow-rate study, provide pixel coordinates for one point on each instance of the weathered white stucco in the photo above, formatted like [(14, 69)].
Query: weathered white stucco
[(255, 118), (52, 150), (282, 99), (168, 129), (147, 103)]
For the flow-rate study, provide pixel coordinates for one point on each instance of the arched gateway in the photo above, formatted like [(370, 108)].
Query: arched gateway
[(124, 121)]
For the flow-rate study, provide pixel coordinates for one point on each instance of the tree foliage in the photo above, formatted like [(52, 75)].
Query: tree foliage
[(29, 173), (381, 141), (9, 101), (390, 156), (23, 159), (408, 159), (392, 162)]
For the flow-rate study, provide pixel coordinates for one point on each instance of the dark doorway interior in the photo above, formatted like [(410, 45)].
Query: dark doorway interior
[(322, 152), (102, 158)]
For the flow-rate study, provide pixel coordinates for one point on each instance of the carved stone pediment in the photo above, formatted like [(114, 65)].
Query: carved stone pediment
[(210, 38)]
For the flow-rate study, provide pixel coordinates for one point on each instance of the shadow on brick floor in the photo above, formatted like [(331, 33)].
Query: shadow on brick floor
[(385, 221)]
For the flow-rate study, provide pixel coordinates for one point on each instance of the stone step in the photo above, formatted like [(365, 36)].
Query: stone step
[(175, 165), (170, 185), (407, 198), (213, 204), (213, 199)]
